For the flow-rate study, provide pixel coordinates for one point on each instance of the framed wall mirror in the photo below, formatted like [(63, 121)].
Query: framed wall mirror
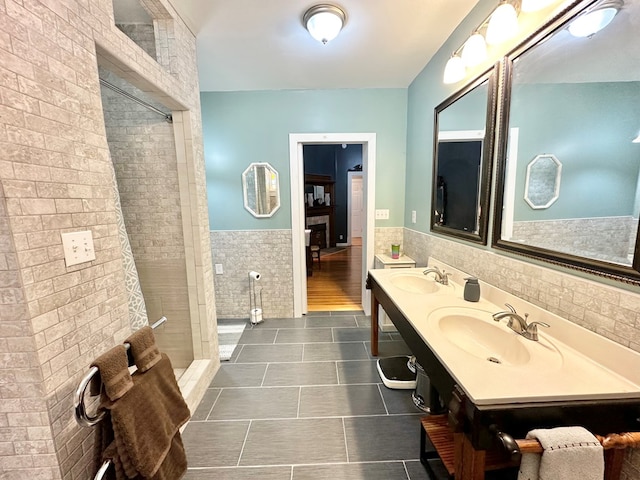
[(574, 93), (462, 153), (261, 188)]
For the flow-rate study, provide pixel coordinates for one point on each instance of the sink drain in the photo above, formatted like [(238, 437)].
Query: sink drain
[(494, 360)]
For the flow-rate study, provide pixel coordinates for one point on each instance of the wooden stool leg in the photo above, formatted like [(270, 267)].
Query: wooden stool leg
[(613, 460), (469, 462)]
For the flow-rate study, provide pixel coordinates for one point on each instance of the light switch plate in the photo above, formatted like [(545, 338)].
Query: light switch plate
[(382, 214), (78, 247), (413, 216)]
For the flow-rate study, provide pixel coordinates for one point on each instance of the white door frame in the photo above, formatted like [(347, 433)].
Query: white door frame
[(296, 142), (350, 176)]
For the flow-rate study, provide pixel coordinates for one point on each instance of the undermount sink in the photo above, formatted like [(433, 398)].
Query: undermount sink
[(475, 332), (415, 283)]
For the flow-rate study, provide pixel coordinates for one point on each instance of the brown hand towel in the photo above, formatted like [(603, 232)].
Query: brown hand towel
[(146, 421), (144, 349), (114, 372)]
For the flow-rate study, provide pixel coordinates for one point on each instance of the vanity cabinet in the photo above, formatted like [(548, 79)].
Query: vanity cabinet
[(476, 425), (383, 260)]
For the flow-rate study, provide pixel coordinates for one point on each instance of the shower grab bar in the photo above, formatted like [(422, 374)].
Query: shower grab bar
[(81, 414)]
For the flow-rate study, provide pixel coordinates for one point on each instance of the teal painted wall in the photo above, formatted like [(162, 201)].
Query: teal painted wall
[(588, 127), (244, 127), (425, 93)]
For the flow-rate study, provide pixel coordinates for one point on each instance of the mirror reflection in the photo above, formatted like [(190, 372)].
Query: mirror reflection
[(460, 196), (261, 190), (578, 98), (542, 184)]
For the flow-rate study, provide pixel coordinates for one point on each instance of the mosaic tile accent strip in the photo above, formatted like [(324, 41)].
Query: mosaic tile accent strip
[(137, 308)]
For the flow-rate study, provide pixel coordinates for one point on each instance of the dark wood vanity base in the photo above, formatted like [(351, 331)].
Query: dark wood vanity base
[(481, 424)]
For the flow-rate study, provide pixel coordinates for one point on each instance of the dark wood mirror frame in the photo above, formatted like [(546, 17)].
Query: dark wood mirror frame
[(484, 189), (618, 272)]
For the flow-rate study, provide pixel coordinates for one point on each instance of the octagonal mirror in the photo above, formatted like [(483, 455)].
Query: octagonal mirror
[(260, 185), (542, 182)]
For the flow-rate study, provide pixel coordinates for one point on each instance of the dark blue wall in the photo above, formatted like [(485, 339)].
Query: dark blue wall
[(335, 161)]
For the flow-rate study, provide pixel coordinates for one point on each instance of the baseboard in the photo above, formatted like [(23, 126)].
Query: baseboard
[(342, 245)]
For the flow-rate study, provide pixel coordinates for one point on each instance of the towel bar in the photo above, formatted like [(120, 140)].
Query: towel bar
[(610, 441), (82, 417)]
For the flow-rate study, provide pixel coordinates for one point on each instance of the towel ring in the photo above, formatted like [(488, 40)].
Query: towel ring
[(82, 416), (103, 470)]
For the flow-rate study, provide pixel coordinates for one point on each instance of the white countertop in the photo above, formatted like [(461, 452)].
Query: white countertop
[(569, 363)]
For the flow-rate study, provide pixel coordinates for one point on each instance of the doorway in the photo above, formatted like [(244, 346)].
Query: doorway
[(355, 208), (296, 158)]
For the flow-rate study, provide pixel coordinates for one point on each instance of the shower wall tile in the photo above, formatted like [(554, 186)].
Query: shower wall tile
[(264, 251), (55, 177)]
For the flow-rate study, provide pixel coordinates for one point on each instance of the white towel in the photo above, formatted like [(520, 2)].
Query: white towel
[(570, 453)]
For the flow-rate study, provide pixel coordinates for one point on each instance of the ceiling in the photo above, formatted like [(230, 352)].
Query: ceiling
[(262, 44)]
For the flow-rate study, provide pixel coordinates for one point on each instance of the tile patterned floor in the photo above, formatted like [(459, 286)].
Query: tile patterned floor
[(301, 399)]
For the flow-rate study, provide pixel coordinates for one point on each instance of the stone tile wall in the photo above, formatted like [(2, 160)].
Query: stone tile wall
[(55, 175), (385, 236), (607, 310), (265, 251), (143, 36), (587, 237)]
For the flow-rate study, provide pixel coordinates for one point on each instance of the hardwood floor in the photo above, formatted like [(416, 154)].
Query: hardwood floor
[(337, 286)]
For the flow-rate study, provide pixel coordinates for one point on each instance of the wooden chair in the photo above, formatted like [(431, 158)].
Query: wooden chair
[(315, 253)]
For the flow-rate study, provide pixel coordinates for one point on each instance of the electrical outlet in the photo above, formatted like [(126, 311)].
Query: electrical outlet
[(382, 214), (413, 216), (78, 247), (341, 237), (219, 270)]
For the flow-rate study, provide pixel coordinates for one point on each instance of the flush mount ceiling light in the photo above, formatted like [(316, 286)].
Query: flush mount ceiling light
[(324, 21), (595, 18), (503, 24)]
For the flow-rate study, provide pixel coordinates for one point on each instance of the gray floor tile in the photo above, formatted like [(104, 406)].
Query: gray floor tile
[(390, 348), (239, 375), (352, 471), (416, 470), (335, 351), (352, 334), (258, 335), (290, 442), (399, 401), (383, 438), (251, 403), (234, 355), (307, 373), (209, 398), (358, 371), (307, 335), (280, 323), (363, 321), (340, 400), (214, 444), (319, 322), (339, 313), (270, 353), (240, 473)]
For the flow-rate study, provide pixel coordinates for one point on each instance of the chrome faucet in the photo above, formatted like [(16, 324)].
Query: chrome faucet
[(519, 324), (441, 276)]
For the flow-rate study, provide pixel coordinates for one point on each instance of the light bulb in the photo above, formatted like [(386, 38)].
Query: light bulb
[(324, 26), (454, 70), (503, 24), (474, 51)]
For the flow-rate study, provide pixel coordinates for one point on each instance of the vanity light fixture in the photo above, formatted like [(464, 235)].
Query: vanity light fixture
[(454, 70), (503, 24), (474, 51), (324, 21), (595, 18)]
